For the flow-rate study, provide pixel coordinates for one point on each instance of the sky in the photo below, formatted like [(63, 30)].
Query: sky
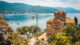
[(49, 3)]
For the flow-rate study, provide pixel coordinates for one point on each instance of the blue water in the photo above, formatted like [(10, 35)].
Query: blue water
[(19, 20)]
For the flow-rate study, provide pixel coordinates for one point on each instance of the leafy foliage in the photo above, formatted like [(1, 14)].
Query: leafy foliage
[(74, 31), (69, 36), (76, 20), (62, 39), (17, 40), (77, 43), (22, 30), (33, 29), (26, 42), (51, 38)]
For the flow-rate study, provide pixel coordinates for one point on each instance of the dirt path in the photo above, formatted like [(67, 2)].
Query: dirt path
[(43, 36), (32, 41)]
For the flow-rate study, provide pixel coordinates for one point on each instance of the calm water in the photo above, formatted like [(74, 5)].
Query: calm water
[(18, 20)]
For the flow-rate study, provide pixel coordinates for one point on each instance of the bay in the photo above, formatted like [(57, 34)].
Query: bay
[(19, 20)]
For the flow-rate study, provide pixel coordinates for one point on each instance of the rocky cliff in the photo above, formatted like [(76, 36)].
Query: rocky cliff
[(4, 31)]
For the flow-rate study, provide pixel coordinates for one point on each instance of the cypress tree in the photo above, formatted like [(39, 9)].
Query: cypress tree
[(76, 20), (79, 24)]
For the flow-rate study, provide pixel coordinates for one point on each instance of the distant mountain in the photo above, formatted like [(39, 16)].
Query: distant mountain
[(69, 10), (6, 7)]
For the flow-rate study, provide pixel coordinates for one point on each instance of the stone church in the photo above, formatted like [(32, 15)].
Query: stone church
[(57, 24)]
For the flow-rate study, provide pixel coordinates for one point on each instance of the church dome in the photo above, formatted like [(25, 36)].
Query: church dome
[(60, 11)]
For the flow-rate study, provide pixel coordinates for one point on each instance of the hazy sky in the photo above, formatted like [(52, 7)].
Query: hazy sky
[(50, 3)]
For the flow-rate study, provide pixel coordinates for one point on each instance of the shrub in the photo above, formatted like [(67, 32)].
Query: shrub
[(62, 39), (33, 29), (74, 31)]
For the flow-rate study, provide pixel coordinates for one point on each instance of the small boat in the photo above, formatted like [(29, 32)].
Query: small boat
[(33, 17), (11, 23), (17, 23)]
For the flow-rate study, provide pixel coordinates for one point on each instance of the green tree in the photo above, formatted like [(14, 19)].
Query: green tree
[(51, 38), (62, 39), (74, 31), (26, 42), (23, 30), (16, 39), (33, 29), (77, 43)]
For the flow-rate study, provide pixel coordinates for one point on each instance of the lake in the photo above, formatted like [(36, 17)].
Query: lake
[(19, 20)]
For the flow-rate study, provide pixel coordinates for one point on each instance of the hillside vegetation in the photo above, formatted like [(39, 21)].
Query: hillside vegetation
[(6, 7)]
